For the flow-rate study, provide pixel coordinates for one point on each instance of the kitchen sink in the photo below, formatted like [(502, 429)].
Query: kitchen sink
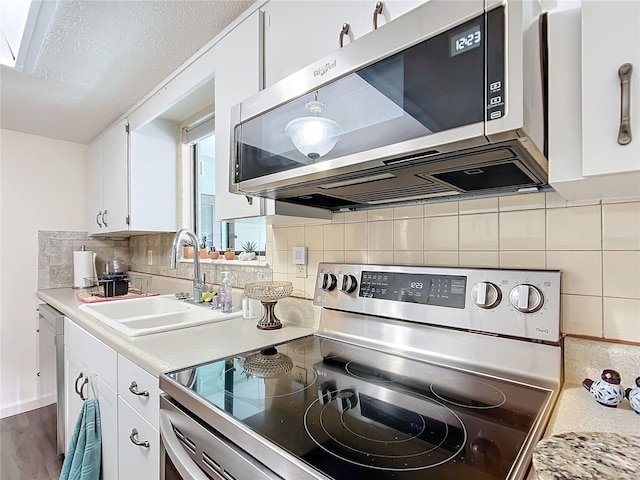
[(143, 316)]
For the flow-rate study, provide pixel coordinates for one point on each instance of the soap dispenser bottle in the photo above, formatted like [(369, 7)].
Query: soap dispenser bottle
[(226, 294)]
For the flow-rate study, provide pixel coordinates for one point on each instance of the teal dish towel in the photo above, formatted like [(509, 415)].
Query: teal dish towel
[(83, 458)]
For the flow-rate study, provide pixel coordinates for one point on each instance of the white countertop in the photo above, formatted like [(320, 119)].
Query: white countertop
[(167, 351)]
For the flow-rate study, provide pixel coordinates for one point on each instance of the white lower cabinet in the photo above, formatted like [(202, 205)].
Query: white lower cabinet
[(138, 445), (128, 399)]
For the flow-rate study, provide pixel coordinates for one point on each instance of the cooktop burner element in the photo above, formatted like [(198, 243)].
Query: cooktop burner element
[(468, 393), (392, 439), (424, 394)]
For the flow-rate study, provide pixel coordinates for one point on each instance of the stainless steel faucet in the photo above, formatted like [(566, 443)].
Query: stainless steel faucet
[(175, 248)]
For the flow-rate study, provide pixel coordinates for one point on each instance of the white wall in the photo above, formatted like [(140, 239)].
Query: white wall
[(42, 187)]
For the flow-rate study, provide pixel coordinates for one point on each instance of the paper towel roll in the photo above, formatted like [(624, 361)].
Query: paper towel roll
[(84, 265)]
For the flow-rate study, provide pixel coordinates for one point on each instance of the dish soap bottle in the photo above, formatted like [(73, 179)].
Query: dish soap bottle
[(226, 294)]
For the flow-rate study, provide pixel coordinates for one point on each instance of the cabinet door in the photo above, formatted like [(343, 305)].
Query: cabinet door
[(115, 179), (299, 33), (152, 176), (238, 73), (609, 39), (94, 176), (137, 461), (107, 404)]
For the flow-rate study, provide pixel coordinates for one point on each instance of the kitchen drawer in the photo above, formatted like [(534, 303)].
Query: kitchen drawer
[(136, 462), (145, 405), (98, 357)]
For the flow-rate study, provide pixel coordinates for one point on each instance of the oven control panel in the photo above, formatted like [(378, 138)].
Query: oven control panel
[(522, 303)]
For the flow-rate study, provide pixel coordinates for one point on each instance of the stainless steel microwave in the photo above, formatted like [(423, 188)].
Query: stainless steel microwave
[(448, 100)]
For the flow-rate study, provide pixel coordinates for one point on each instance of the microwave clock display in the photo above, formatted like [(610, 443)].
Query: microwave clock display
[(466, 40)]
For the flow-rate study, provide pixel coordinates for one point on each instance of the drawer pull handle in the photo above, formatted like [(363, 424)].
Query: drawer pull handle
[(133, 388), (134, 439), (79, 389), (624, 133), (98, 220)]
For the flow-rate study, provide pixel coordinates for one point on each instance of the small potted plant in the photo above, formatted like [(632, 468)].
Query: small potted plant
[(187, 248), (229, 254), (249, 251), (204, 251), (213, 254)]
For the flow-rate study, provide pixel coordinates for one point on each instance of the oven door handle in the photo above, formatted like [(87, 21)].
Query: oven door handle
[(181, 460)]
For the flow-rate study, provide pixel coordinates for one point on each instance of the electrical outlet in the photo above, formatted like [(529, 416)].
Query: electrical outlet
[(301, 271), (149, 257)]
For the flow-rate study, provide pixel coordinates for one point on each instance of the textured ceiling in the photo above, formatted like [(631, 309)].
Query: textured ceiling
[(99, 58)]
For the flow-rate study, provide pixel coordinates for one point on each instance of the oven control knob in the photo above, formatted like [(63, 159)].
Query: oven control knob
[(347, 399), (327, 392), (486, 295), (328, 282), (347, 283), (526, 298)]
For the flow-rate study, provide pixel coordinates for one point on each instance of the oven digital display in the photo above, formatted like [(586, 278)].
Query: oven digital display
[(439, 290)]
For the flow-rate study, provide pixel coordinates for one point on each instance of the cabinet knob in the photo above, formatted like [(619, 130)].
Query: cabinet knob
[(134, 439), (377, 11), (133, 388)]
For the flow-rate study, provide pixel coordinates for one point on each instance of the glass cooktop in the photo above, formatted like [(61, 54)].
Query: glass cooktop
[(352, 412)]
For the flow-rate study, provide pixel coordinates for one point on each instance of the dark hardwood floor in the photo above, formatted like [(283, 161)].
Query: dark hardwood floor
[(28, 446)]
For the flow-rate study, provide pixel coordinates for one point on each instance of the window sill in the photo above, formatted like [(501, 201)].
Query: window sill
[(223, 261)]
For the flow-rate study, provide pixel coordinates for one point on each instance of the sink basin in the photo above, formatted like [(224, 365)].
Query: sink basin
[(143, 316)]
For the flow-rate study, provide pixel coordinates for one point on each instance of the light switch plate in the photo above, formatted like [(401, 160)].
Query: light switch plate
[(299, 255)]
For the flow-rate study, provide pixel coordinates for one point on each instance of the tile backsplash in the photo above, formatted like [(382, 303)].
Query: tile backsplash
[(595, 244)]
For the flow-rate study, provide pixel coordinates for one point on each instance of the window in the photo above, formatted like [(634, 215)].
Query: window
[(216, 233)]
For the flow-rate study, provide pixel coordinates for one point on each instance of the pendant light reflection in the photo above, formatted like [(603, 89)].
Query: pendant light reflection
[(314, 136)]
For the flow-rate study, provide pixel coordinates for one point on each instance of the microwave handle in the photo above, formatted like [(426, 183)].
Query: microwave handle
[(344, 31), (181, 460)]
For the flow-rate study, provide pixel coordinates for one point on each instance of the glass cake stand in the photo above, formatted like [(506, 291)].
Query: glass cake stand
[(268, 293)]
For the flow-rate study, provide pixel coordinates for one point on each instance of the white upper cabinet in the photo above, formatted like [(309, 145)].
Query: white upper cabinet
[(131, 180), (610, 87), (587, 48), (107, 182), (299, 33), (238, 74)]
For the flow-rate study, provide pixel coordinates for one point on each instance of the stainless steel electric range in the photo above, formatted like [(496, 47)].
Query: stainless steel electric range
[(415, 372)]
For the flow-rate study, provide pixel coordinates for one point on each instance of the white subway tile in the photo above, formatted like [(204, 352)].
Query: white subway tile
[(356, 256), (295, 237), (478, 205), (314, 237), (526, 201), (621, 274), (280, 264), (522, 230), (334, 256), (407, 234), (334, 236), (621, 226), (411, 211), (408, 258), (441, 233), (479, 259), (622, 319), (355, 236), (359, 216), (479, 232), (581, 271), (440, 209), (379, 257), (574, 228), (441, 258), (581, 315), (380, 214), (525, 260), (280, 238), (380, 235), (337, 217)]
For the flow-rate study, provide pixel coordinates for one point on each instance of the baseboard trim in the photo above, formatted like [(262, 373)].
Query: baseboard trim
[(16, 408)]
